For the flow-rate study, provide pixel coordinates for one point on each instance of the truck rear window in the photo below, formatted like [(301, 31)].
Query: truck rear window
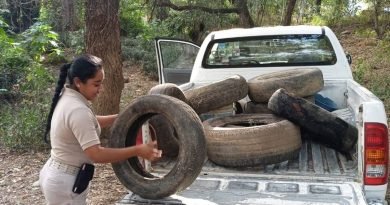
[(282, 50)]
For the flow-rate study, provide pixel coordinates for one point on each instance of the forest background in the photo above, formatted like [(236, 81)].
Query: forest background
[(37, 36)]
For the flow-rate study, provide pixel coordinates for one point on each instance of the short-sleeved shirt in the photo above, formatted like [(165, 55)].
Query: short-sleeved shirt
[(74, 128)]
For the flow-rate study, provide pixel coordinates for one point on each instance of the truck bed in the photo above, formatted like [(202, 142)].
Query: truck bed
[(314, 160)]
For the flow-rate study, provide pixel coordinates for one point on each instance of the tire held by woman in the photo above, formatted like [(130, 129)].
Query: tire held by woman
[(191, 139)]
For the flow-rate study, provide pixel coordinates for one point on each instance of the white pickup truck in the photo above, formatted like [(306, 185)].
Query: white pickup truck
[(320, 175)]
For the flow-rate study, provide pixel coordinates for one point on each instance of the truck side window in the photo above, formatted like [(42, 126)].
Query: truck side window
[(177, 56)]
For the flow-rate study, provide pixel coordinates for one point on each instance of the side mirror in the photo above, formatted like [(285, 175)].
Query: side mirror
[(349, 58)]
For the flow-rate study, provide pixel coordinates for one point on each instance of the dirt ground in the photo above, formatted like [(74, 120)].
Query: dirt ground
[(19, 171)]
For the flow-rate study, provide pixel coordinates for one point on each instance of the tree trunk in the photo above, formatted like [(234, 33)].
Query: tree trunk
[(301, 11), (318, 7), (263, 10), (22, 14), (241, 8), (289, 12), (246, 20), (379, 27), (69, 17), (69, 21), (103, 40)]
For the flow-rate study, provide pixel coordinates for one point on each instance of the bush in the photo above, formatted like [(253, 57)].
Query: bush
[(141, 52), (131, 18), (373, 73), (13, 61), (23, 121), (22, 126), (77, 41), (39, 40), (24, 87)]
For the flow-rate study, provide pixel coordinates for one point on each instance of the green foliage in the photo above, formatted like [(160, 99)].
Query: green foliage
[(37, 79), (13, 61), (140, 51), (22, 123), (130, 17), (374, 77), (76, 41), (365, 32), (187, 24), (50, 13), (24, 84), (3, 24), (360, 71), (318, 20), (40, 39), (22, 126)]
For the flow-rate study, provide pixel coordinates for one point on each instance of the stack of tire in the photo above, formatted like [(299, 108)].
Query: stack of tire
[(257, 136), (267, 132)]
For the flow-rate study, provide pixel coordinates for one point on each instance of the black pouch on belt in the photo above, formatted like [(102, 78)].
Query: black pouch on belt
[(83, 177)]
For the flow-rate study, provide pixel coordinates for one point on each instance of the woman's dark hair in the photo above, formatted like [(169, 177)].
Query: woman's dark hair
[(84, 68)]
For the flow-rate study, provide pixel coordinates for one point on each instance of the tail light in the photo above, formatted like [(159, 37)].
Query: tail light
[(376, 154)]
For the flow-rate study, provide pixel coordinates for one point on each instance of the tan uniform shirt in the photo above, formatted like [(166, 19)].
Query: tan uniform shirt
[(74, 128)]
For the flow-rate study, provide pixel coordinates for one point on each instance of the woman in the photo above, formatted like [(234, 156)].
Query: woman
[(74, 132)]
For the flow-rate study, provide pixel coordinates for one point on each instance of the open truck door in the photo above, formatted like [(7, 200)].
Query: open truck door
[(175, 60)]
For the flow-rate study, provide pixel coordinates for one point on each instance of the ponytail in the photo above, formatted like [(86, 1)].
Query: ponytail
[(60, 85)]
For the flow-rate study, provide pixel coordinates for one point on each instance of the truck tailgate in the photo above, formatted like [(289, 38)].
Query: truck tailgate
[(233, 190)]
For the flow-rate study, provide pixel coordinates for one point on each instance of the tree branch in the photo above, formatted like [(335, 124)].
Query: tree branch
[(168, 3)]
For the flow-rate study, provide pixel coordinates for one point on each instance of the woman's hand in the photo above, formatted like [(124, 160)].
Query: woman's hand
[(149, 151), (99, 154)]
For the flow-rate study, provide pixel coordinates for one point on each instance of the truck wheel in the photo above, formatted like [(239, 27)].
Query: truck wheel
[(251, 139), (218, 94), (190, 135), (301, 82), (322, 125), (168, 143)]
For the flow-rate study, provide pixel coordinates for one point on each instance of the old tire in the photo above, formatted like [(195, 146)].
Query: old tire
[(323, 126), (165, 134), (218, 94), (251, 139), (169, 89), (191, 139), (261, 108), (168, 143), (302, 82)]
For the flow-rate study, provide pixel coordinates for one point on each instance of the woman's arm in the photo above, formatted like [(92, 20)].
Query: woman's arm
[(106, 120), (99, 154)]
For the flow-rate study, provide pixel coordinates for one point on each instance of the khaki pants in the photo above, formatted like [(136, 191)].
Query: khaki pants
[(57, 185)]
